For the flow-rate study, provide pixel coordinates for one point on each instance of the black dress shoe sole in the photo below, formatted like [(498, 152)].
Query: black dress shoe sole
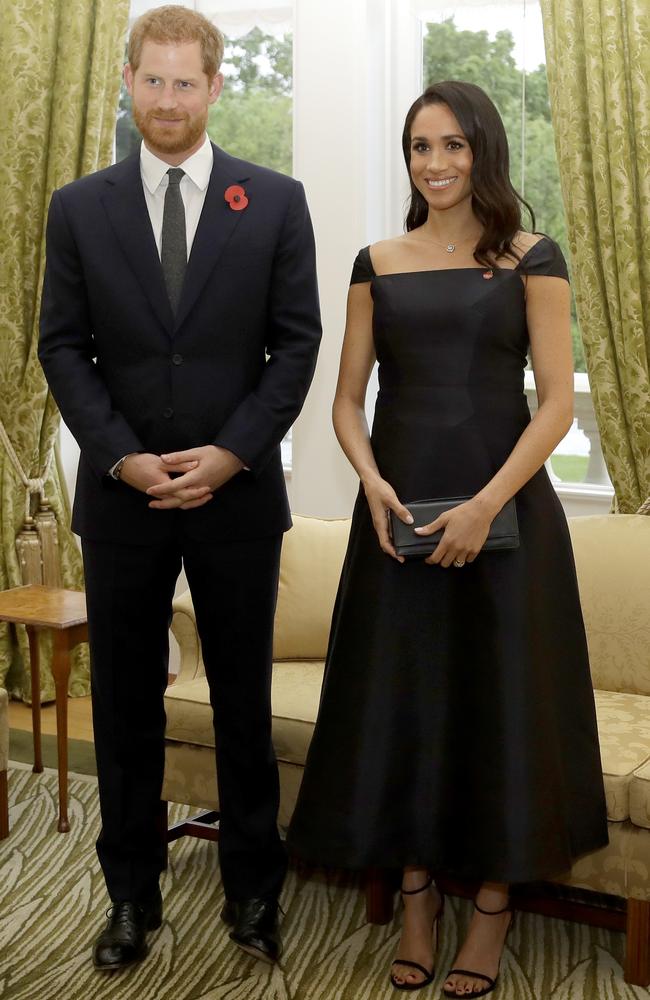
[(115, 966), (250, 949)]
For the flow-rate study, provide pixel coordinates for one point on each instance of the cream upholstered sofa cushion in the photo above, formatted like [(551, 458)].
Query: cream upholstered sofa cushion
[(312, 556), (4, 730), (189, 713), (624, 732), (613, 563), (295, 697)]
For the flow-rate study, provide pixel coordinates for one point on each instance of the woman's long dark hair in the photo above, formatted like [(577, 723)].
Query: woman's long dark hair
[(495, 202)]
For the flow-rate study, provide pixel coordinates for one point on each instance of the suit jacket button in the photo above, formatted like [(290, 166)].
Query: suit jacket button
[(168, 413), (177, 359)]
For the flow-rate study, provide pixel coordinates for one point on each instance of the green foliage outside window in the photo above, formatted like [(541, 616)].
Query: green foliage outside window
[(451, 54), (253, 118)]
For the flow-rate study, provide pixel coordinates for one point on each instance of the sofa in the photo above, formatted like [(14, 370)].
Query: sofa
[(4, 759), (613, 562)]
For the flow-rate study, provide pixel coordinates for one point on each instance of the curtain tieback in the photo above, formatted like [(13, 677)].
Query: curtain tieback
[(37, 544), (645, 507)]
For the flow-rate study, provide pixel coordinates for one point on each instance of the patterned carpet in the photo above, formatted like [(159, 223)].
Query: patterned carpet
[(52, 903)]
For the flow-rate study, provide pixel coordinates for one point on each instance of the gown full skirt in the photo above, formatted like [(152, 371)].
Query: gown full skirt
[(457, 727)]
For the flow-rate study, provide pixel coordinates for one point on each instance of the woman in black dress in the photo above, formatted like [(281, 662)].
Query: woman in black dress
[(457, 729)]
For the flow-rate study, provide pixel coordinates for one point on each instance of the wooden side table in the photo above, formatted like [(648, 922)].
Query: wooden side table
[(64, 613)]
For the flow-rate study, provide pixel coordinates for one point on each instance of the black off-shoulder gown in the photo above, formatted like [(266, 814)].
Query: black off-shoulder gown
[(457, 727)]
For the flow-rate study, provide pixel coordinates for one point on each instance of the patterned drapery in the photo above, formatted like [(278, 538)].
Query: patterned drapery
[(598, 64), (59, 77)]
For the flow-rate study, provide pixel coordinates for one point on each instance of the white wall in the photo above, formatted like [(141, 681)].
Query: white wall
[(330, 158), (357, 68)]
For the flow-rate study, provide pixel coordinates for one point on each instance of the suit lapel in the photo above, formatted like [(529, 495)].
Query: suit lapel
[(128, 214), (216, 226), (127, 211)]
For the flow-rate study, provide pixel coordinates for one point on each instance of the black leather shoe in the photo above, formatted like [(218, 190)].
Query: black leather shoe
[(124, 939), (254, 927)]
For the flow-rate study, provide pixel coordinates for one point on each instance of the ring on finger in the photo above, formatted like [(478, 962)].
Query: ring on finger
[(459, 563)]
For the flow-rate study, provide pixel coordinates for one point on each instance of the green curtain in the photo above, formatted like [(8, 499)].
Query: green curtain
[(59, 78), (598, 64)]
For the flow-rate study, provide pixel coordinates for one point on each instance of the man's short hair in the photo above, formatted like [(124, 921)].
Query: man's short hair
[(177, 25)]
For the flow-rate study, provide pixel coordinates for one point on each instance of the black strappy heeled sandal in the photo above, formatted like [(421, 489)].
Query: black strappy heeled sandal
[(491, 983), (428, 974)]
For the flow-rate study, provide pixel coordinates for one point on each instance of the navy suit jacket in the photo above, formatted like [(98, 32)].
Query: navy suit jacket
[(232, 368)]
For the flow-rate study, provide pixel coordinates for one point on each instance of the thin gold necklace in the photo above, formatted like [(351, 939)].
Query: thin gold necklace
[(449, 247)]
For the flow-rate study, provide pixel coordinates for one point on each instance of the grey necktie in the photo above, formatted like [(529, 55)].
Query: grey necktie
[(173, 253)]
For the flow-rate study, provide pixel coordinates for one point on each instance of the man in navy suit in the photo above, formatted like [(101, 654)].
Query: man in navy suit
[(179, 333)]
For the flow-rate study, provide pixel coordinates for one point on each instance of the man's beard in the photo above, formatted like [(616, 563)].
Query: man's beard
[(174, 139)]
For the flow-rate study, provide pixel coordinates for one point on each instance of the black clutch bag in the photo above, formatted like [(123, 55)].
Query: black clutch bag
[(503, 534)]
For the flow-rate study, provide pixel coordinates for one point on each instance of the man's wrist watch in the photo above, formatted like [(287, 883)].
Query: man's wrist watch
[(116, 471)]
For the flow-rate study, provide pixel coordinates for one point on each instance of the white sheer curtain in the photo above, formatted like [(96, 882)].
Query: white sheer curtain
[(234, 17), (422, 8), (237, 19)]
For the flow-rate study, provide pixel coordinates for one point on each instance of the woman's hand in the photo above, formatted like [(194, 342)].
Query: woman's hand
[(465, 529), (381, 498)]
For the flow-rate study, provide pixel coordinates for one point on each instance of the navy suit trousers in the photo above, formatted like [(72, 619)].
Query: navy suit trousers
[(129, 591)]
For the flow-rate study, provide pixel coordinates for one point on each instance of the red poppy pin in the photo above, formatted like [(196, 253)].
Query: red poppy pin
[(488, 274), (235, 195)]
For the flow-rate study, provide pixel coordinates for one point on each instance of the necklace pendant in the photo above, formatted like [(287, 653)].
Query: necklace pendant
[(451, 247)]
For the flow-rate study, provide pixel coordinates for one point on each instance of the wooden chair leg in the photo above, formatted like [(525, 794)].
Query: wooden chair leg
[(35, 668), (637, 944), (61, 675), (4, 806), (379, 896)]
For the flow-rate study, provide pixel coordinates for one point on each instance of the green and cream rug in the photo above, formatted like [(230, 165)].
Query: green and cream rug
[(52, 904)]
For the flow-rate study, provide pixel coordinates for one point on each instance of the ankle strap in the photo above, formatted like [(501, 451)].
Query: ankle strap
[(493, 913), (414, 892)]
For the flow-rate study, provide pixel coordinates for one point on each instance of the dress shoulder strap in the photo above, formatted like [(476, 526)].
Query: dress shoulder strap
[(362, 269), (546, 258)]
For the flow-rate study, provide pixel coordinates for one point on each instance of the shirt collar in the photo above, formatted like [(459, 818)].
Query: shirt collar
[(198, 166)]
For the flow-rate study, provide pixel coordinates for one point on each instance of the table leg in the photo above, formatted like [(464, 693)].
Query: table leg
[(61, 674), (35, 673)]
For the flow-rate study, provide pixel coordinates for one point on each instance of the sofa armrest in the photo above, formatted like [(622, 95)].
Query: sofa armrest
[(187, 637), (614, 579)]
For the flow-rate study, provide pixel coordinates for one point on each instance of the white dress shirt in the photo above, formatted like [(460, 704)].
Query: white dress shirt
[(194, 185)]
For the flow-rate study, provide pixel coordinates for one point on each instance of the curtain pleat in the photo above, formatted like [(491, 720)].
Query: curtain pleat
[(598, 64), (60, 79)]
